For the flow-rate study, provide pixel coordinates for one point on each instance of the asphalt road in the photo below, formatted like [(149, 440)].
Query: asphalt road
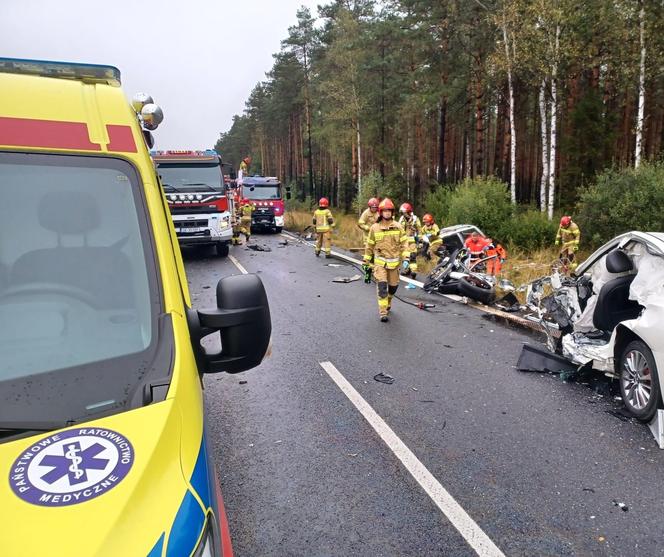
[(539, 464)]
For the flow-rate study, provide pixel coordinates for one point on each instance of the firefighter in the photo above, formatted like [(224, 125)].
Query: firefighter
[(413, 228), (246, 210), (368, 218), (324, 223), (387, 248), (570, 236), (431, 232), (244, 169), (497, 255)]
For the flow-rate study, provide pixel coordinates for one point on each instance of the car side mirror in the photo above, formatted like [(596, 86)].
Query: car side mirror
[(241, 318)]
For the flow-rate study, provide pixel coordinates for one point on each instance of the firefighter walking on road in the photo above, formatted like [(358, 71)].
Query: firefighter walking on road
[(570, 236), (243, 221), (413, 228), (431, 232), (368, 218), (387, 249), (324, 223)]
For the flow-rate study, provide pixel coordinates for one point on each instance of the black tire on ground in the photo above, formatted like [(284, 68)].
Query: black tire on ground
[(477, 289), (447, 287), (278, 229), (639, 381), (222, 249)]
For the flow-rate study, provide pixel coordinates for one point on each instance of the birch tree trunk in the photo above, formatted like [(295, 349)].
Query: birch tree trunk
[(554, 137), (510, 87), (642, 89), (545, 146), (359, 158)]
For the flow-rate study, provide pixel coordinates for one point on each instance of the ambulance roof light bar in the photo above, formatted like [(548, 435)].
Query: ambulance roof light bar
[(88, 73)]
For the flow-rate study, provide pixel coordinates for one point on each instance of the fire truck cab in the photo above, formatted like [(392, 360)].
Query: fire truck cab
[(197, 196), (267, 195)]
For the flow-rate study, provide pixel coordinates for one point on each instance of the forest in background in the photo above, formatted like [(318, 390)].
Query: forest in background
[(418, 95)]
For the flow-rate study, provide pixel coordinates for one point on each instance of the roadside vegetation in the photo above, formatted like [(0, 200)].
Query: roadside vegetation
[(423, 97)]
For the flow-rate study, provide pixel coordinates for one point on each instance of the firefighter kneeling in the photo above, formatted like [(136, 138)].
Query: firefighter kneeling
[(387, 247)]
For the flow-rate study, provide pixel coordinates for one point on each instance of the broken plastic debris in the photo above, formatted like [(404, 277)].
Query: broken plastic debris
[(256, 247), (347, 279), (624, 507), (384, 378), (410, 286), (537, 359), (334, 265)]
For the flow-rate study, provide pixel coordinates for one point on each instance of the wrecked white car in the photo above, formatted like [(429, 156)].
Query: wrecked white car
[(610, 315)]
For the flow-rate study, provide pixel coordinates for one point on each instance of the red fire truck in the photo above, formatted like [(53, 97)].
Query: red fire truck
[(197, 196), (267, 196)]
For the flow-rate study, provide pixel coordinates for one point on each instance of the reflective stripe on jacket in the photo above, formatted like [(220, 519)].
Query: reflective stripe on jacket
[(570, 236), (367, 220), (412, 225), (387, 244), (323, 220)]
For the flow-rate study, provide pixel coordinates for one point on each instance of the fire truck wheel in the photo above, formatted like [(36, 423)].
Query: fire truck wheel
[(222, 249)]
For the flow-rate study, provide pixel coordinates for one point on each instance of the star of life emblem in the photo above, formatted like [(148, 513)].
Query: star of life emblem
[(71, 467)]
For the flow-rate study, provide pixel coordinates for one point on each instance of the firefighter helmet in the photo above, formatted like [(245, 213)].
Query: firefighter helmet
[(565, 221), (428, 219), (324, 202), (386, 205), (373, 203), (406, 208)]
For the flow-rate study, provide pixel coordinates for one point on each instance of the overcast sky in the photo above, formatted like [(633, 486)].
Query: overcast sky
[(199, 59)]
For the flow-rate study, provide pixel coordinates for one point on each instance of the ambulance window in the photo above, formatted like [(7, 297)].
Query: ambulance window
[(75, 285)]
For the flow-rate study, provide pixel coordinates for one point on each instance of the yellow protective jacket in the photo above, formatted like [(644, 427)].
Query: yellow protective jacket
[(412, 225), (570, 236), (432, 232), (387, 244), (366, 221), (246, 211), (323, 220)]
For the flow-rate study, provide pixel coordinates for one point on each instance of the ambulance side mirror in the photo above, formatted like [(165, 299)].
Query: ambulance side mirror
[(241, 318)]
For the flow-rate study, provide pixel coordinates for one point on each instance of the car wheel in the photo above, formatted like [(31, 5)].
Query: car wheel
[(278, 229), (639, 382), (222, 250), (477, 289)]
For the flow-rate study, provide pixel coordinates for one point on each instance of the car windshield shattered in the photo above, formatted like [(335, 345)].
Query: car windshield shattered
[(79, 304)]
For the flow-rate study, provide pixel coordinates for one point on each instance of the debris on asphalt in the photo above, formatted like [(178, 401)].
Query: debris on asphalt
[(384, 378), (414, 388), (334, 265), (256, 247), (353, 454), (410, 286), (243, 382), (537, 359), (589, 489), (309, 236), (622, 506), (284, 243), (346, 280), (278, 441)]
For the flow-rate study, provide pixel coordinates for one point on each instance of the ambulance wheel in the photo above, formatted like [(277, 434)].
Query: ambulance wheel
[(222, 249), (477, 289)]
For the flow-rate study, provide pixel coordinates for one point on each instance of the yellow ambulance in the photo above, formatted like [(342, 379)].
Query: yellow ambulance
[(103, 446)]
